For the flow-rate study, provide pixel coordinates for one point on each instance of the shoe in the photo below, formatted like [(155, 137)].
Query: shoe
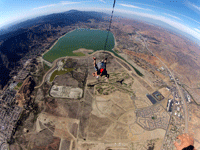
[(106, 79), (97, 77)]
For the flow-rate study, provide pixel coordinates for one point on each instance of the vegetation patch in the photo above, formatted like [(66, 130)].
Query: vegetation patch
[(63, 61), (105, 88), (61, 72), (18, 86), (79, 54), (46, 67), (154, 117), (100, 90)]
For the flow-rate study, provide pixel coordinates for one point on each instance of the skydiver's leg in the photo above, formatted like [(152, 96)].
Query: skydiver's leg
[(95, 64), (105, 61), (95, 67), (107, 75), (101, 74)]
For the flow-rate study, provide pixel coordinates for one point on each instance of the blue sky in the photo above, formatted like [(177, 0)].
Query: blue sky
[(181, 14)]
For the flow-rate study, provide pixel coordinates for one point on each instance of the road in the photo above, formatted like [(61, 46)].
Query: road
[(44, 77), (179, 90), (55, 65), (65, 57)]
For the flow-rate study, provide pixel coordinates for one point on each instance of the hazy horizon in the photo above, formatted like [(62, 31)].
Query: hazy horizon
[(180, 15)]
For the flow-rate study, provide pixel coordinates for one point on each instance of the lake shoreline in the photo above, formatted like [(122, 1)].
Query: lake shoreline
[(81, 38), (56, 42)]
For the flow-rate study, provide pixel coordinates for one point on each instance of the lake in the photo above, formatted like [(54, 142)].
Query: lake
[(80, 38)]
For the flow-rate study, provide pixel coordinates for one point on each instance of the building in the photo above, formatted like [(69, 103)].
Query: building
[(8, 96), (158, 96), (168, 88), (178, 109), (169, 105), (179, 115), (188, 98), (22, 75), (162, 68), (151, 98), (9, 119), (13, 85), (176, 102), (170, 76)]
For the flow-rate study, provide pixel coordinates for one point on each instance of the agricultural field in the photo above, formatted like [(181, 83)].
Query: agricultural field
[(18, 86), (80, 38)]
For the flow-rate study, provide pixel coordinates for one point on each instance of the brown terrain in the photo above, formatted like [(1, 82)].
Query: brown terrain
[(181, 55), (117, 111), (24, 93), (109, 112)]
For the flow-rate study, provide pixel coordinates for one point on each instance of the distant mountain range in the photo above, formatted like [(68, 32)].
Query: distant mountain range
[(17, 40), (56, 19)]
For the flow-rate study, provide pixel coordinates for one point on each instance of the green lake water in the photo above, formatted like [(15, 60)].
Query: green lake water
[(83, 38), (80, 38)]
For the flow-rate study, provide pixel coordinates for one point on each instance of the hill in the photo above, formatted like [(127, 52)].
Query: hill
[(56, 19), (31, 38)]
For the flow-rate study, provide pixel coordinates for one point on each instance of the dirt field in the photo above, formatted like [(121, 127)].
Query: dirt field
[(105, 117)]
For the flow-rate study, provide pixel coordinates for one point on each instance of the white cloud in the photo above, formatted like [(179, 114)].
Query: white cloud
[(46, 6), (102, 1), (68, 2), (168, 11), (175, 24), (172, 16), (52, 5), (195, 6), (132, 6), (197, 30)]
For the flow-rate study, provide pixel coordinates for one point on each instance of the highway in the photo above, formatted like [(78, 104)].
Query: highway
[(179, 90)]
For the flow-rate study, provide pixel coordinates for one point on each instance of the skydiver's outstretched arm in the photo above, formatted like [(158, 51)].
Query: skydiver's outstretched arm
[(94, 74)]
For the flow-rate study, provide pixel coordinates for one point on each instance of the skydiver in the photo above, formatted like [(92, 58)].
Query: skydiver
[(100, 69)]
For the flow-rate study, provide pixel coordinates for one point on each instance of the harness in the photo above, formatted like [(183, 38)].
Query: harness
[(101, 66)]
